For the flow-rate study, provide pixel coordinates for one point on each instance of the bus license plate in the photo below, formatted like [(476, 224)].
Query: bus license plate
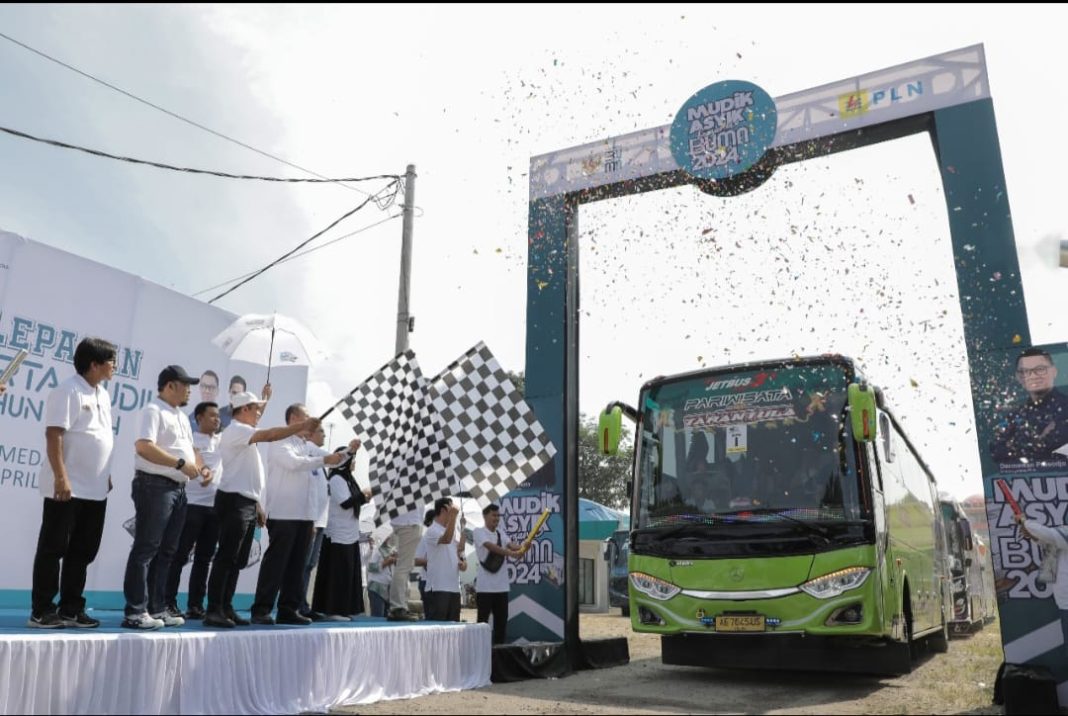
[(740, 623)]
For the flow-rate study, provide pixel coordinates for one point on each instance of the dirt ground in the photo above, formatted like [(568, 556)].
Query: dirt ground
[(960, 682)]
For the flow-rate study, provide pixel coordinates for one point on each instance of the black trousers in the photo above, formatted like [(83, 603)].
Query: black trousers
[(70, 531), (201, 530), (237, 526), (339, 580), (282, 569), (442, 606), (495, 603)]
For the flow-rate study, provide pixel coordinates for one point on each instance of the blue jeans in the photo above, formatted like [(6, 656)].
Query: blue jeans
[(159, 504), (309, 565), (379, 604)]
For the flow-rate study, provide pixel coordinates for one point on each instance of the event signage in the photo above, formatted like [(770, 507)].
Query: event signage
[(52, 299), (723, 130)]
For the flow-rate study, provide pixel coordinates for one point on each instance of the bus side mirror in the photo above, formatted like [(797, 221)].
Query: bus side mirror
[(609, 430), (862, 404)]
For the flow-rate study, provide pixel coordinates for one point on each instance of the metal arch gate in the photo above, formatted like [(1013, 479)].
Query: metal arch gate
[(946, 95)]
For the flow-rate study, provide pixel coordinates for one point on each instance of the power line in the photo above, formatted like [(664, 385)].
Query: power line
[(379, 199), (171, 167), (172, 114), (303, 253)]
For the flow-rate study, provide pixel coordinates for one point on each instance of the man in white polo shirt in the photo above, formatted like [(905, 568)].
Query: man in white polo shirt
[(75, 481), (237, 500), (291, 508), (200, 534), (165, 460), (444, 562), (491, 584)]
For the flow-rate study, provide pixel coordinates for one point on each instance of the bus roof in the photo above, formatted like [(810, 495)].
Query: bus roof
[(845, 362)]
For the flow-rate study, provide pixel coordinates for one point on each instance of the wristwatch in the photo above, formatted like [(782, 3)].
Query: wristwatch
[(181, 464)]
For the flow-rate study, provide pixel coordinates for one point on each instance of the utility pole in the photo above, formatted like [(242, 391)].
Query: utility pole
[(405, 322)]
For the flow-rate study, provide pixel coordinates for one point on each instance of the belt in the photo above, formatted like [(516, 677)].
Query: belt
[(143, 474)]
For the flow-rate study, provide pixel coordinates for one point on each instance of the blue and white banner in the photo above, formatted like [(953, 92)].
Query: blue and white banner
[(49, 301)]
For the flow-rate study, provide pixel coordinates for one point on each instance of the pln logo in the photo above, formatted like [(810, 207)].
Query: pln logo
[(287, 357), (854, 104)]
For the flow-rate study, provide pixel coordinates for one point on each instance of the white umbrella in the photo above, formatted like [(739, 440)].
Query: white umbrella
[(271, 338)]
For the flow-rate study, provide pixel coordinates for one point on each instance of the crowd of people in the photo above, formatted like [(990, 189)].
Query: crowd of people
[(200, 488)]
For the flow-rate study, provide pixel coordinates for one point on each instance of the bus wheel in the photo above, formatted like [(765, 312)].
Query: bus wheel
[(939, 643), (899, 654)]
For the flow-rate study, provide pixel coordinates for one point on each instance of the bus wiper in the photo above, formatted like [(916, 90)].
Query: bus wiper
[(658, 533), (813, 529)]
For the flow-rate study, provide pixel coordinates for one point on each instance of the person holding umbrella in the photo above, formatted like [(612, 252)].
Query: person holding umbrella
[(237, 501)]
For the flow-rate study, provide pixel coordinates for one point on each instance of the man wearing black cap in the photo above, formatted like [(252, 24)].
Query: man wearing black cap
[(165, 460)]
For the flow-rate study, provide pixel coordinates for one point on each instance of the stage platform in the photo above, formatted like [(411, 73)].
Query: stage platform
[(247, 670)]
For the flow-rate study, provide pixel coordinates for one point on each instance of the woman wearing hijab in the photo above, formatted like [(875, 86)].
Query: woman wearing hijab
[(338, 583)]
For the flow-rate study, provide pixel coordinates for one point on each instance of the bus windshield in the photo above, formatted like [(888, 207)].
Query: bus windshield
[(732, 446)]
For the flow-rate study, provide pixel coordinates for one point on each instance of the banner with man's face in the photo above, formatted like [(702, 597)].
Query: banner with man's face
[(1023, 438)]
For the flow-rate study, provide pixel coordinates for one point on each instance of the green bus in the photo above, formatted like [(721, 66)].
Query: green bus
[(781, 518)]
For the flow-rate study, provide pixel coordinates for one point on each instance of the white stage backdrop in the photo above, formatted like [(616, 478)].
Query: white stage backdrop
[(49, 300)]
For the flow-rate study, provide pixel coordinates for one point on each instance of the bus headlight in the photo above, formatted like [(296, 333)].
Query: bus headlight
[(653, 586), (835, 583)]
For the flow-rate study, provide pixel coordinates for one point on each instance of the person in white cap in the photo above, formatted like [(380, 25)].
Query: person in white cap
[(237, 500)]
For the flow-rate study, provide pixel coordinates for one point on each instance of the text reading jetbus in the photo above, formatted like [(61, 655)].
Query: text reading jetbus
[(781, 519)]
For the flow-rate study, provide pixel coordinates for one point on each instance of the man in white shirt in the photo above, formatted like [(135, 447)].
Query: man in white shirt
[(444, 562), (165, 460), (201, 529), (321, 500), (291, 508), (237, 500), (491, 584), (75, 481), (1053, 540), (408, 531)]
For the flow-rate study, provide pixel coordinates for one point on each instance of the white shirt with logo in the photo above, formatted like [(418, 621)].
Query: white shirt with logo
[(490, 582), (320, 491), (84, 413), (243, 471), (442, 561), (289, 494), (168, 427), (195, 493)]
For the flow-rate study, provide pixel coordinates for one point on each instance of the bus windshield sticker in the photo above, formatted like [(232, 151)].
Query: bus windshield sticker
[(736, 435)]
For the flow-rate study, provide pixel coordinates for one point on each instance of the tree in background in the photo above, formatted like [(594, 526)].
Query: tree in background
[(602, 478)]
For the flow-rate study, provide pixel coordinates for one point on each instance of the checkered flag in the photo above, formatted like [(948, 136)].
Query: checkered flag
[(494, 438), (390, 412)]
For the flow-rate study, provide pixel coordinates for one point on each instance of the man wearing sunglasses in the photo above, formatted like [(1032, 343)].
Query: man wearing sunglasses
[(1030, 433)]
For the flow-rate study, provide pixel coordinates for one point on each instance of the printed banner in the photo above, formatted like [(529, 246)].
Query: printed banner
[(1024, 447), (50, 301)]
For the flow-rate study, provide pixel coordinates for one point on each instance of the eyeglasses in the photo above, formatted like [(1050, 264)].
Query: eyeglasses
[(1037, 371)]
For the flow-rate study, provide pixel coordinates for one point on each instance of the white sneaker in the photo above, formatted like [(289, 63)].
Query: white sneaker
[(169, 619), (141, 621)]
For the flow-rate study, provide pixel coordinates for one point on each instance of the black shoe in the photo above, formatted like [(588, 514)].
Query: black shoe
[(236, 618), (263, 619), (51, 620), (194, 613), (401, 615), (218, 619), (80, 621), (288, 617), (314, 616)]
